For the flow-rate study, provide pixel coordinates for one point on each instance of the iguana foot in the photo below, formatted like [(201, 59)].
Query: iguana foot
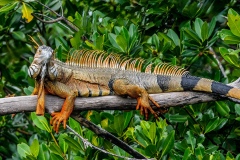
[(124, 87), (57, 119), (144, 107)]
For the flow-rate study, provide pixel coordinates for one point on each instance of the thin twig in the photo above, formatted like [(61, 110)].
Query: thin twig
[(51, 21), (60, 18), (218, 62)]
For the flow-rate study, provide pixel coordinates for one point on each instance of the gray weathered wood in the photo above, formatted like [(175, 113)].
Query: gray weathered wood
[(53, 103)]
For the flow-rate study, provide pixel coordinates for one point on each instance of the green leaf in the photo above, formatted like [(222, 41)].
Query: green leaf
[(211, 149), (155, 41), (4, 2), (75, 125), (62, 143), (112, 38), (59, 41), (28, 91), (237, 108), (168, 143), (229, 156), (204, 31), (41, 122), (222, 108), (187, 154), (174, 37), (237, 119), (23, 150), (55, 149), (234, 22), (181, 145), (212, 26), (145, 128), (162, 124), (198, 27), (141, 136), (212, 124), (190, 138), (200, 151), (192, 35), (122, 43), (43, 152), (90, 44), (230, 56), (127, 118), (118, 126), (100, 42), (73, 143), (197, 129), (125, 34), (152, 132), (104, 123), (8, 7), (27, 12), (177, 118), (35, 148), (228, 37), (54, 157), (151, 150), (19, 35), (76, 41), (132, 30), (221, 123)]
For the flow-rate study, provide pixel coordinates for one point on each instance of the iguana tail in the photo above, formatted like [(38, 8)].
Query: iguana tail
[(189, 83)]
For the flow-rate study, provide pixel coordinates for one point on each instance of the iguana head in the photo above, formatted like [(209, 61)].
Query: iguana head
[(40, 61)]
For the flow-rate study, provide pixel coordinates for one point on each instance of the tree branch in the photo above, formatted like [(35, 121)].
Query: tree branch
[(53, 103)]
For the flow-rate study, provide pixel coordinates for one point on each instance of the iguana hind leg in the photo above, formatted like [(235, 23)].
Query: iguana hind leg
[(64, 91), (123, 87)]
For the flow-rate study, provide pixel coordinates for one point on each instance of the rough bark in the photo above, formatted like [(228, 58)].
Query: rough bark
[(28, 103)]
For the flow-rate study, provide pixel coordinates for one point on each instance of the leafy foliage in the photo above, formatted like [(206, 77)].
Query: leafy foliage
[(182, 33)]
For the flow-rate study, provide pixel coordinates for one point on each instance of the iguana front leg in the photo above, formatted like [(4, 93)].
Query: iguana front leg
[(124, 87), (64, 91), (36, 88), (40, 91)]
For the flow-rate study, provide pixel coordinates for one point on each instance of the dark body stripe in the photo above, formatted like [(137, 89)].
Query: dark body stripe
[(100, 90), (220, 88), (90, 92), (189, 82), (79, 93), (110, 85), (163, 82)]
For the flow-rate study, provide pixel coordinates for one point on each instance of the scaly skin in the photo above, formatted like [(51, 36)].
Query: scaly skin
[(68, 81)]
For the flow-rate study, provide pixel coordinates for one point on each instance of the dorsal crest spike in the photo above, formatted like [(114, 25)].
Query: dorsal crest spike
[(101, 59)]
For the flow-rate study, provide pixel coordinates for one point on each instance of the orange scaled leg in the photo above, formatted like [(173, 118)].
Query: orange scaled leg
[(64, 91), (40, 91), (123, 87)]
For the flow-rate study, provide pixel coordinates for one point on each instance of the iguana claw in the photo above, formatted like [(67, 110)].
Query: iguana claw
[(57, 119), (144, 106)]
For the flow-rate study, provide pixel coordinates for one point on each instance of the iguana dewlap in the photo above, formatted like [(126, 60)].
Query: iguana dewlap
[(94, 73)]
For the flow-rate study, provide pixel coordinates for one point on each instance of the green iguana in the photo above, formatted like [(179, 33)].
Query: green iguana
[(94, 73)]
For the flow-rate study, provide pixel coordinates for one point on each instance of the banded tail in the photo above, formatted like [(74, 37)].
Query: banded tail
[(192, 83)]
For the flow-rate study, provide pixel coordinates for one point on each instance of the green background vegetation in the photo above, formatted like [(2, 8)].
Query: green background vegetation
[(190, 34)]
